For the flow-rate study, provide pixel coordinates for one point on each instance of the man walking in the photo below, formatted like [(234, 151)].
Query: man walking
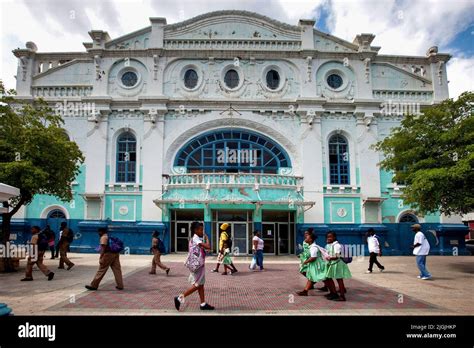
[(421, 248), (107, 259), (64, 242), (374, 250), (41, 245)]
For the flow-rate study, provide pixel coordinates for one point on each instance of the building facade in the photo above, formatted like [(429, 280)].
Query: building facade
[(233, 117)]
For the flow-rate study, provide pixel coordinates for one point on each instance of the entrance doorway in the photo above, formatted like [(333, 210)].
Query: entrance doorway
[(278, 232), (240, 224), (181, 228), (54, 220)]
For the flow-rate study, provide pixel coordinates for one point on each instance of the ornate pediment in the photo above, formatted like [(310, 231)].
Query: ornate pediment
[(233, 25), (389, 76)]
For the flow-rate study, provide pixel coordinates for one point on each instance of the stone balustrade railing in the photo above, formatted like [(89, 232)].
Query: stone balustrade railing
[(62, 91), (233, 44), (232, 179), (403, 95)]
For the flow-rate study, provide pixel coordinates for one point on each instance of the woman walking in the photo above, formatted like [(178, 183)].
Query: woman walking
[(196, 265)]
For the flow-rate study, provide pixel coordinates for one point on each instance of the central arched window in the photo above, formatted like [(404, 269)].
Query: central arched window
[(232, 151), (126, 158), (338, 160)]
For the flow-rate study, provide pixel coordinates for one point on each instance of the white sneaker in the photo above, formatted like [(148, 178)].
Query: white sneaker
[(368, 272), (419, 277), (381, 270), (425, 278)]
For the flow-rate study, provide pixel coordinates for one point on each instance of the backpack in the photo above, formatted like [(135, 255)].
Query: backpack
[(161, 246), (195, 259), (344, 254), (115, 245), (70, 237), (43, 241)]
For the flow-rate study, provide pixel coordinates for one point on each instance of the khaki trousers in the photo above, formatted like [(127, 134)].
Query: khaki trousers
[(157, 261), (107, 260), (39, 263), (63, 248)]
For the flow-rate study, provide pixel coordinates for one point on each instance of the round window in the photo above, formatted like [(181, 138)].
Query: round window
[(129, 79), (334, 81), (273, 79), (231, 78), (190, 79)]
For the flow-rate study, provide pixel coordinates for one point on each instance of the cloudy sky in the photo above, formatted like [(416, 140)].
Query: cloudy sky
[(404, 27)]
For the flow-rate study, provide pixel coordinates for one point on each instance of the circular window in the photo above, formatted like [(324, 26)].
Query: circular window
[(129, 79), (190, 79), (334, 81), (273, 79), (231, 79)]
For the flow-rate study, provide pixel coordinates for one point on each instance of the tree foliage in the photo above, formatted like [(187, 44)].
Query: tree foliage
[(36, 154), (433, 155)]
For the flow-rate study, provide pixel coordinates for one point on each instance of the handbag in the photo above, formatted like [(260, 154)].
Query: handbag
[(253, 263), (195, 259)]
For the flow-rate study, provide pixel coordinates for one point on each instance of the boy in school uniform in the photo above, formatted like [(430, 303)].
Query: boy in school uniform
[(374, 250), (35, 230)]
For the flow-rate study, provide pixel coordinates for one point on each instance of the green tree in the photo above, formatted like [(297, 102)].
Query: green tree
[(433, 155), (36, 155)]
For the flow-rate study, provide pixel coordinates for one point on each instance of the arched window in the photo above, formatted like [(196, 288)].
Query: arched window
[(409, 217), (126, 158), (56, 214), (338, 160), (232, 151)]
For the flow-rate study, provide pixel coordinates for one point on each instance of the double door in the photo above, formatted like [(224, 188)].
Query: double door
[(276, 237), (239, 234)]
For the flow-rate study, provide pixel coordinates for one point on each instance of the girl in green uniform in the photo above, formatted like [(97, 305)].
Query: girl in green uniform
[(227, 260), (336, 268), (305, 253), (315, 265)]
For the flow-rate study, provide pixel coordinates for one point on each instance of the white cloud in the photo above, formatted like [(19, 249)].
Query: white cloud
[(401, 27), (460, 76)]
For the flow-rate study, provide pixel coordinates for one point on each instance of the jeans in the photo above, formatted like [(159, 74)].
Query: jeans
[(421, 263), (372, 260), (259, 255)]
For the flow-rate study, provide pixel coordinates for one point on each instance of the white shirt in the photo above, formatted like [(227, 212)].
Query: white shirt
[(424, 248), (259, 241), (196, 240), (313, 250), (373, 243), (335, 247)]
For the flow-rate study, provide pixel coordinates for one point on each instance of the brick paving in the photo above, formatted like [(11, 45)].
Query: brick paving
[(272, 291)]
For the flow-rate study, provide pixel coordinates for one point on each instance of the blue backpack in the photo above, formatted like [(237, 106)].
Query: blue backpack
[(115, 245), (161, 246)]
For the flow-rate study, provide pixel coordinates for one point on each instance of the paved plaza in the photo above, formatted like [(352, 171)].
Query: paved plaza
[(394, 292)]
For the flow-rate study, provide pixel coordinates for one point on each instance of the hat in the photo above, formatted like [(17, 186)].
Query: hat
[(224, 226), (418, 226)]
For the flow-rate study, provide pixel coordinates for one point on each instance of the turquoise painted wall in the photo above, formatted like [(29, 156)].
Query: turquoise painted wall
[(123, 207), (350, 204), (75, 208)]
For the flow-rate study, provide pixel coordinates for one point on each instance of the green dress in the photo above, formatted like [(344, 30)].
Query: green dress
[(227, 259), (303, 257), (316, 270), (336, 269)]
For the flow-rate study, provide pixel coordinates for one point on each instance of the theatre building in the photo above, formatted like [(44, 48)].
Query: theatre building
[(233, 117)]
